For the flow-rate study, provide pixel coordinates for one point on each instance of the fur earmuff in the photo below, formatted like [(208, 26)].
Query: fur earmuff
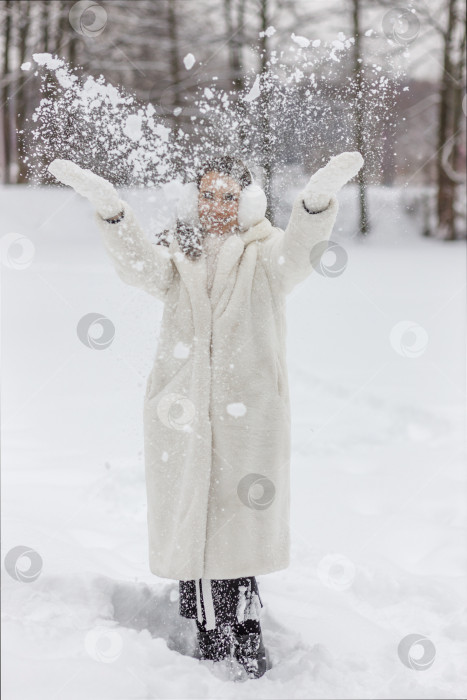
[(187, 205), (251, 207)]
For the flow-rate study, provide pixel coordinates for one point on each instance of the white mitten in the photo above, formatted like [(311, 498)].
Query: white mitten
[(328, 180), (98, 190)]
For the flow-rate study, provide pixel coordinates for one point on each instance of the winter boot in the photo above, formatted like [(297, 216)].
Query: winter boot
[(213, 644), (249, 648)]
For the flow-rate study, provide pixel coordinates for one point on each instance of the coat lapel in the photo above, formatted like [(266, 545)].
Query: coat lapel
[(227, 260), (194, 272)]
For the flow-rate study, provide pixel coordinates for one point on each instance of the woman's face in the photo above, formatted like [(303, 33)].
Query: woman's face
[(218, 199)]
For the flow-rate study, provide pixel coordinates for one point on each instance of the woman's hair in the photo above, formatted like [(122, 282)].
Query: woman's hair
[(190, 237)]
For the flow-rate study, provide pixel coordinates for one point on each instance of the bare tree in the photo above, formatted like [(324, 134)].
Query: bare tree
[(174, 58), (67, 38), (6, 150), (450, 111), (358, 68), (235, 31), (267, 142), (22, 100), (448, 21), (143, 46)]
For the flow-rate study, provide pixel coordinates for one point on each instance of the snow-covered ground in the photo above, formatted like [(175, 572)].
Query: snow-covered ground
[(379, 485)]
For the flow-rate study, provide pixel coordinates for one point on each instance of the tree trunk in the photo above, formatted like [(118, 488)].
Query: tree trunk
[(458, 158), (174, 66), (22, 101), (359, 117), (267, 150), (235, 40), (445, 185), (4, 96)]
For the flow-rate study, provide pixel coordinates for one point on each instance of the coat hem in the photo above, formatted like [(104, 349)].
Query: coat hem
[(231, 574)]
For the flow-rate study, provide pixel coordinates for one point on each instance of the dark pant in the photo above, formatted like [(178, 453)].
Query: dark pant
[(216, 644), (243, 638), (225, 597)]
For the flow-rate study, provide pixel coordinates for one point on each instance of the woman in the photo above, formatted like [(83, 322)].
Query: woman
[(216, 407)]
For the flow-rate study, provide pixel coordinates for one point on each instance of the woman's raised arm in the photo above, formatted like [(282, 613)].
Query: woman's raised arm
[(292, 255), (137, 261)]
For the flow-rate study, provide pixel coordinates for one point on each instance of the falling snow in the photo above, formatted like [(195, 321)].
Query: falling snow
[(300, 40), (189, 61), (306, 95), (236, 409), (268, 32)]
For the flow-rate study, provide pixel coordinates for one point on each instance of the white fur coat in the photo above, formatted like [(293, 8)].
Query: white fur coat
[(216, 407)]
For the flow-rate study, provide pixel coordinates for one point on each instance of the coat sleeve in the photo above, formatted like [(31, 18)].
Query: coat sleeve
[(293, 252), (137, 261)]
